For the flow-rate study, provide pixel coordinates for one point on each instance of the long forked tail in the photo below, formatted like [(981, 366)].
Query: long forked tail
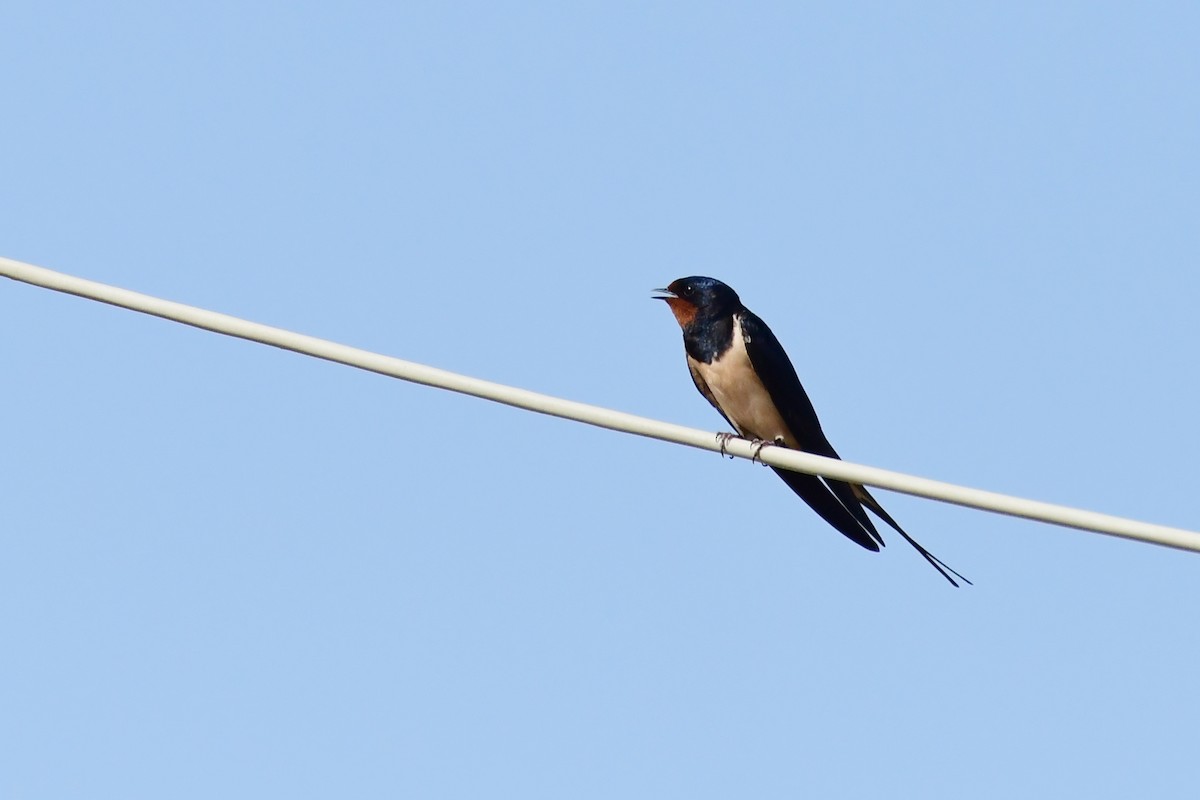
[(864, 497)]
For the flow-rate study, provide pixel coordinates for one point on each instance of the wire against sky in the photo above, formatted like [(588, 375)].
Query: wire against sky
[(602, 417)]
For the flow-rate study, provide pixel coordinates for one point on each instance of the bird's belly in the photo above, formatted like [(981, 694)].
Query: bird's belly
[(742, 397)]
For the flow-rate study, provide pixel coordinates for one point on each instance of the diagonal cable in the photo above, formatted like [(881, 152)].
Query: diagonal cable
[(602, 417)]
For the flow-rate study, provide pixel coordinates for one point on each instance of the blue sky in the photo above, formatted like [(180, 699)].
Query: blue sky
[(227, 570)]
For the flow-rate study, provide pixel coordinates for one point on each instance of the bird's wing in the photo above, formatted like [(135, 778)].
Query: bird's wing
[(816, 492), (777, 374)]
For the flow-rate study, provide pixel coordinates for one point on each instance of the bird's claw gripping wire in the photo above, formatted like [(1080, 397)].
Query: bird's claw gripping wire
[(723, 439), (758, 445)]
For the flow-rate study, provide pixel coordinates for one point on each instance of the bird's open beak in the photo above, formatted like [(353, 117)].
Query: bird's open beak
[(666, 294)]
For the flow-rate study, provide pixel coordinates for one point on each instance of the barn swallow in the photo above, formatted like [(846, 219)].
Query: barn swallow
[(740, 367)]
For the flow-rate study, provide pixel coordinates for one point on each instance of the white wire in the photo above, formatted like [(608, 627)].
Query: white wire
[(602, 417)]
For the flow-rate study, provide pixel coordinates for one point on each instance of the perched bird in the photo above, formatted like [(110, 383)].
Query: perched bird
[(740, 367)]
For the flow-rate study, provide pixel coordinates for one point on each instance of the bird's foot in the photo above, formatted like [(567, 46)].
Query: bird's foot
[(758, 445), (723, 439)]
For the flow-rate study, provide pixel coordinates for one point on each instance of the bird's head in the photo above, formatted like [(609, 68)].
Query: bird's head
[(699, 298)]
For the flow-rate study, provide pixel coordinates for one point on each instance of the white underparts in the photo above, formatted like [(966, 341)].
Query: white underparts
[(739, 393)]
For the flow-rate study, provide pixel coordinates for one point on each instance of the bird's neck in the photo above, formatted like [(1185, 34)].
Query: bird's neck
[(707, 339)]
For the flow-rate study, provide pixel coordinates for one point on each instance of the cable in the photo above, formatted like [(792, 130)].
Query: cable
[(602, 417)]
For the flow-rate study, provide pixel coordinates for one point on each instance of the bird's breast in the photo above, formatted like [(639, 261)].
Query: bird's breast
[(740, 394)]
